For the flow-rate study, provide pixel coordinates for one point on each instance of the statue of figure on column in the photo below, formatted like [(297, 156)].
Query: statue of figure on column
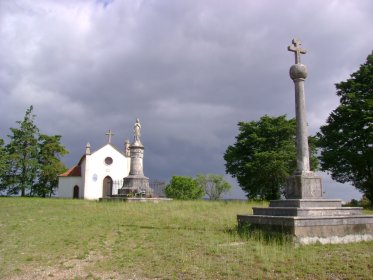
[(137, 130)]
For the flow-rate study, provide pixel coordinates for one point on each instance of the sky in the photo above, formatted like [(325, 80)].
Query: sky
[(190, 70)]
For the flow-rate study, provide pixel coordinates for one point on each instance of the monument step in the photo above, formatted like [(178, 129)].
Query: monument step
[(307, 211), (306, 203), (305, 221), (308, 230)]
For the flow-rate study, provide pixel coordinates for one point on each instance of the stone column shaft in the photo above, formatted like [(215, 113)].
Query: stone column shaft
[(137, 155), (303, 162)]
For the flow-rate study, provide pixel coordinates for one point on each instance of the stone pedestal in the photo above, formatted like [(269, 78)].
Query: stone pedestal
[(306, 185), (310, 221), (135, 185), (315, 229)]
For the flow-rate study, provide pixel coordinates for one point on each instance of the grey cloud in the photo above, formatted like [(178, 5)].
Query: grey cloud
[(190, 70)]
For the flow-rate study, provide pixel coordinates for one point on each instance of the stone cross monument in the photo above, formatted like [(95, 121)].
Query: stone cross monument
[(298, 73), (304, 214), (303, 183)]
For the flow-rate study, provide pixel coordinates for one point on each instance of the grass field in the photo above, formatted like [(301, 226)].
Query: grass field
[(76, 239)]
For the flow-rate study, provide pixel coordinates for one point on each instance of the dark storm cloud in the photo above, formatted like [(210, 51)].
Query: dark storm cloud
[(190, 70)]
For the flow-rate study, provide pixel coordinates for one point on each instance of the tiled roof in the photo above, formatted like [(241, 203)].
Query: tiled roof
[(81, 160), (74, 171)]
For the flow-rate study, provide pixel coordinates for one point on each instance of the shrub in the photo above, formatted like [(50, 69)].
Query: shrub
[(184, 187)]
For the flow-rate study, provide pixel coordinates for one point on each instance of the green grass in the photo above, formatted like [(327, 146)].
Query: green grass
[(76, 239)]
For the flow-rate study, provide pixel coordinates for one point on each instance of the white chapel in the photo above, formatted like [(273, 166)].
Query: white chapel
[(93, 176)]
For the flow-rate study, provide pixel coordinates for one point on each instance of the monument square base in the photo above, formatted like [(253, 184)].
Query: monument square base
[(304, 185), (310, 221), (136, 185)]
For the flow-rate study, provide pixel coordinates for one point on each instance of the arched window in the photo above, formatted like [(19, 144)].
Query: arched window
[(76, 192), (107, 186)]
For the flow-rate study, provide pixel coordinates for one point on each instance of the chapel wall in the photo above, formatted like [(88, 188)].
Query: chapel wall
[(66, 186), (96, 170)]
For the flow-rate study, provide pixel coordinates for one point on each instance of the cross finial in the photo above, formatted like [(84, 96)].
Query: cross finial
[(297, 49), (109, 133)]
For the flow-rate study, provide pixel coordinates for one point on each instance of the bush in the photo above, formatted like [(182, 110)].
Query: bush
[(363, 202), (184, 187), (213, 184)]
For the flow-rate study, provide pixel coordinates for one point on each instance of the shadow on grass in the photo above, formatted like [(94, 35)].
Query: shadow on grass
[(169, 228), (245, 232), (251, 233)]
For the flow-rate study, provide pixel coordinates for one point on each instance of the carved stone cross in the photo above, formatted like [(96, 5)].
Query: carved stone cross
[(109, 133), (297, 49)]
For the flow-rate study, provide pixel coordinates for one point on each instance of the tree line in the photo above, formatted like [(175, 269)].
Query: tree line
[(264, 154), (30, 161)]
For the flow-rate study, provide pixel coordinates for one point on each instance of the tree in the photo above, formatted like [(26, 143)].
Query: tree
[(3, 164), (50, 151), (213, 184), (264, 156), (23, 153), (346, 141), (30, 163), (184, 187)]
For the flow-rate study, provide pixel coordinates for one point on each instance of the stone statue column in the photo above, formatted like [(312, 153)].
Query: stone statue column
[(303, 184), (136, 183), (298, 73), (137, 151), (137, 132)]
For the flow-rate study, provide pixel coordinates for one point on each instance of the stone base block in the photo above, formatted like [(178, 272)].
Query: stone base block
[(304, 186), (135, 199), (309, 230), (306, 212), (136, 185), (306, 203)]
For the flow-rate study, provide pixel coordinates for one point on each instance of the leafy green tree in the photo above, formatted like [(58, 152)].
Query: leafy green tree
[(264, 156), (3, 164), (184, 187), (50, 151), (213, 184), (23, 153), (346, 141), (30, 163)]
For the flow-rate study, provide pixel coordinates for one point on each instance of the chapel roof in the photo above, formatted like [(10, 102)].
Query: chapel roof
[(74, 171), (111, 145)]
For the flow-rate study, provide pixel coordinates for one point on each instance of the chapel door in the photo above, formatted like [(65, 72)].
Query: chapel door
[(107, 187), (76, 192)]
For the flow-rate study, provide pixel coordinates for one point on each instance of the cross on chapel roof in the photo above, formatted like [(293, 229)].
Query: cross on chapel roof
[(109, 134), (297, 49)]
